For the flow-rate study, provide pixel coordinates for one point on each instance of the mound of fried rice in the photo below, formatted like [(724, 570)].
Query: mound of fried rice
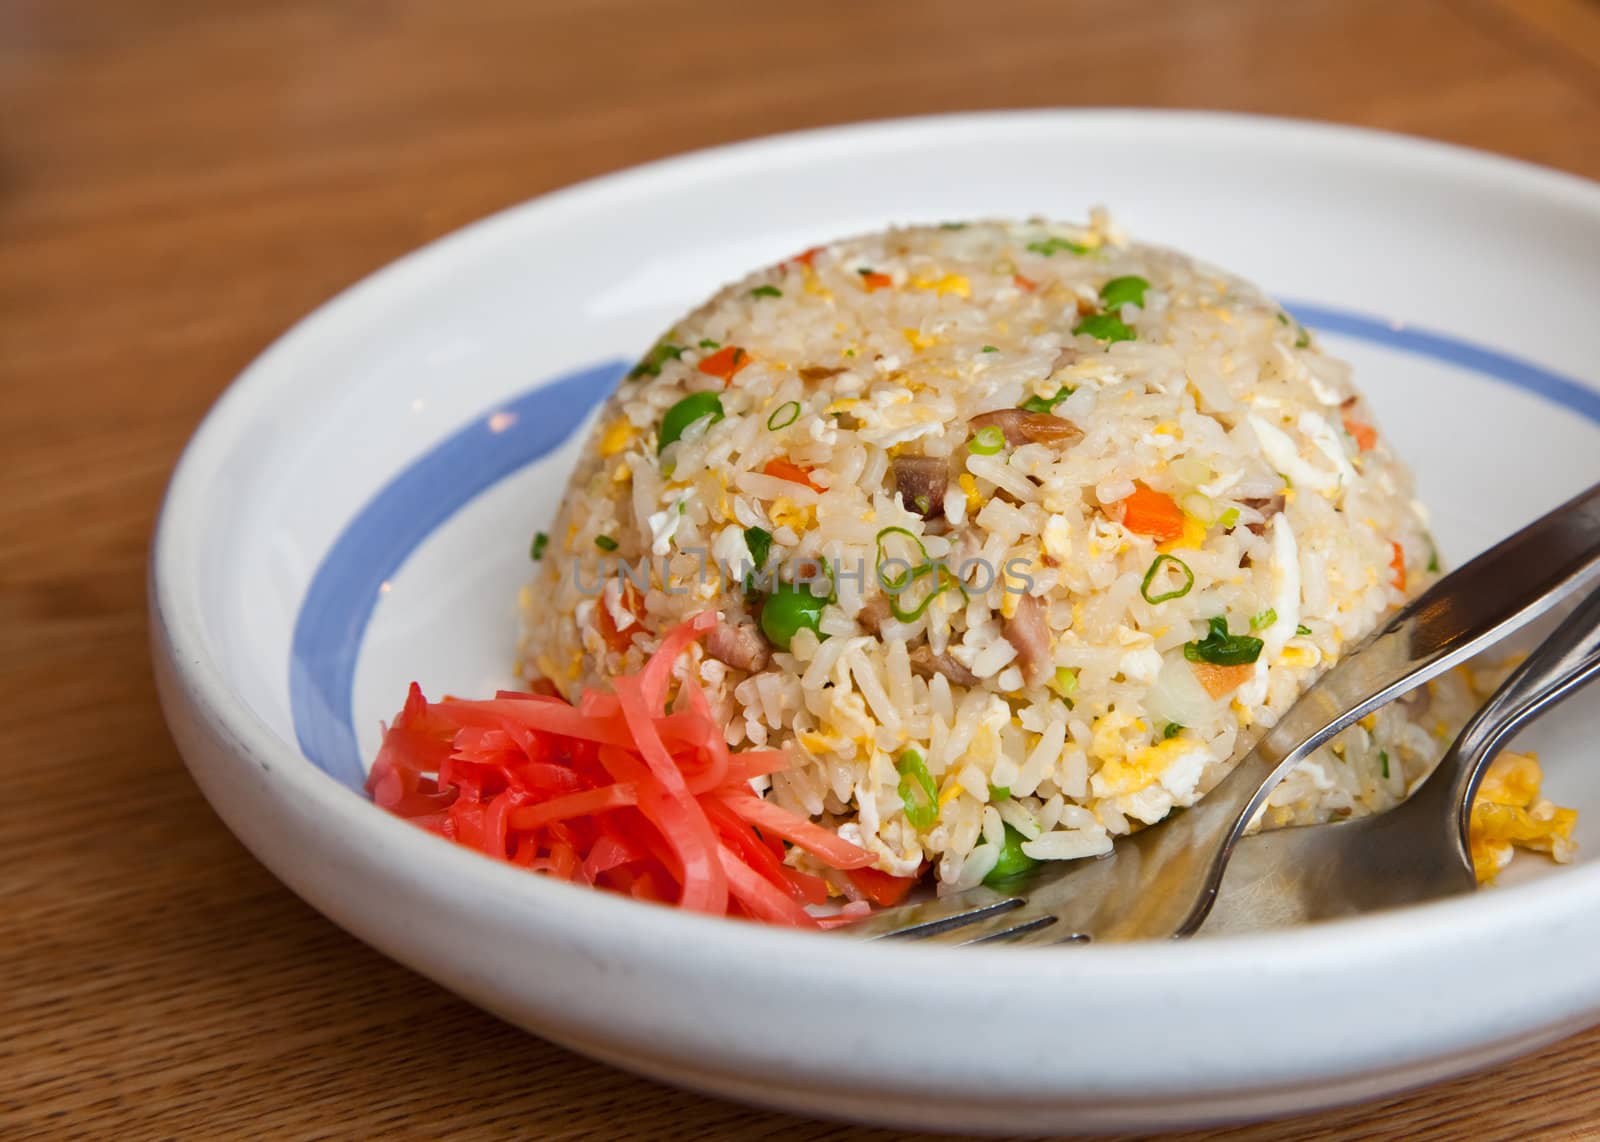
[(1049, 679)]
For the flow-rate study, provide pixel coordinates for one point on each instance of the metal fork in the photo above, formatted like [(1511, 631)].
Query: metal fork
[(1160, 882), (1418, 850)]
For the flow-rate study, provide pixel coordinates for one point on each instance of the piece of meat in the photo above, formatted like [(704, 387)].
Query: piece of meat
[(1268, 508), (818, 372), (1220, 680), (740, 645), (1023, 427), (874, 613), (926, 663), (921, 481), (1027, 631)]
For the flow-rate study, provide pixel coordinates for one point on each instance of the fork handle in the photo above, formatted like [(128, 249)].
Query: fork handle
[(1501, 589)]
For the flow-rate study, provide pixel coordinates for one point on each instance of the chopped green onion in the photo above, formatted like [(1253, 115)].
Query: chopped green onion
[(766, 291), (1433, 558), (536, 548), (1013, 862), (605, 543), (990, 349), (1170, 731), (1265, 619), (999, 793), (865, 270), (1065, 683), (918, 793), (1122, 291), (786, 414), (899, 582), (651, 364), (1301, 337), (788, 609), (1049, 247), (1105, 327), (1228, 518), (1302, 629), (1046, 404), (1383, 757), (1220, 648), (923, 504), (1150, 575), (943, 578), (759, 541), (987, 440), (678, 418), (849, 352), (707, 343)]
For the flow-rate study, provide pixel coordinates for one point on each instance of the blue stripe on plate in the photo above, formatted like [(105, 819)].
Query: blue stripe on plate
[(1580, 398), (338, 604)]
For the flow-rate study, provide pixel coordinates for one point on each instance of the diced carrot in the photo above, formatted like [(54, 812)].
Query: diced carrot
[(620, 638), (879, 887), (1220, 680), (1366, 436), (780, 469), (1398, 563), (1026, 284), (874, 281), (1152, 513), (724, 363), (806, 258)]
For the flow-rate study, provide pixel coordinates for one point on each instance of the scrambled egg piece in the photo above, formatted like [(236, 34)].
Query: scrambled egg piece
[(617, 436), (784, 512), (949, 283), (969, 486), (1509, 814), (1193, 536)]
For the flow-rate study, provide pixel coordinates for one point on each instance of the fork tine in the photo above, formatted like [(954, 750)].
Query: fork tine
[(1028, 925), (932, 917)]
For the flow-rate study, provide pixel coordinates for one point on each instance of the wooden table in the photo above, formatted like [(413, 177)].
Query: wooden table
[(182, 179)]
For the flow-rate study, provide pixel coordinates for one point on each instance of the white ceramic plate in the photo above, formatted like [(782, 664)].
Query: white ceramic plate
[(355, 514)]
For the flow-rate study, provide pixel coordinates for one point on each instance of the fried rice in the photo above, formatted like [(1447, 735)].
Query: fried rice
[(1010, 526)]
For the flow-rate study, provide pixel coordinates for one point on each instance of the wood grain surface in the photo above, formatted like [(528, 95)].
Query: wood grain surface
[(182, 179)]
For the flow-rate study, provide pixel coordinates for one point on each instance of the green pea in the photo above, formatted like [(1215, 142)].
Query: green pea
[(1013, 861), (1105, 327), (787, 609), (678, 418), (1119, 292)]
